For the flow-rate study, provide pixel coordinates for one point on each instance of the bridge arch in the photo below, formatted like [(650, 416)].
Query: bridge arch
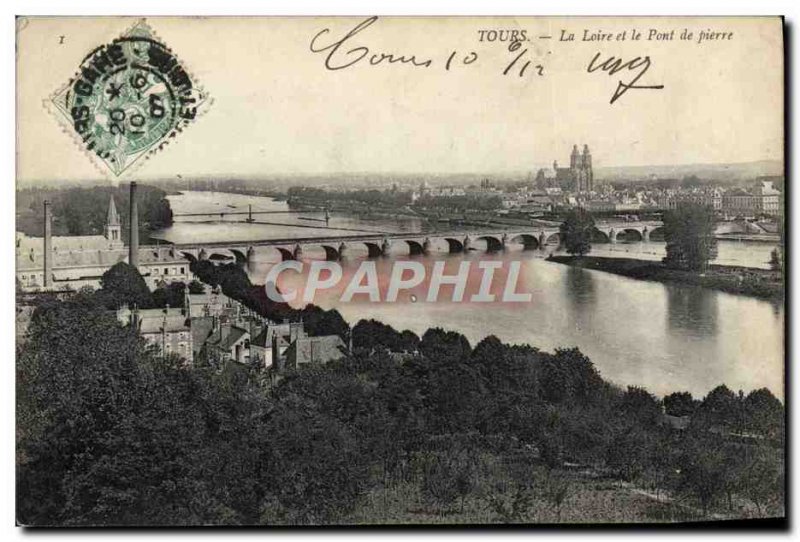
[(657, 234), (599, 236), (219, 257), (373, 249), (630, 234), (189, 256), (493, 244), (331, 254), (529, 241), (415, 247), (286, 254), (454, 245), (553, 239)]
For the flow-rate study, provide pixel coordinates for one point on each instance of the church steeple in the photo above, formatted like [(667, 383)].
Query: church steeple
[(113, 226), (574, 161), (587, 157)]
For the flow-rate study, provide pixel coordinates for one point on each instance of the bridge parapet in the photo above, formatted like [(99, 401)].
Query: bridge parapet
[(379, 243)]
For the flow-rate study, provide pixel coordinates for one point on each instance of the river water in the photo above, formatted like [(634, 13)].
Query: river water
[(662, 337)]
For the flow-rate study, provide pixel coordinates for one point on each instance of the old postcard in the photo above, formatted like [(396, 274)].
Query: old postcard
[(399, 271)]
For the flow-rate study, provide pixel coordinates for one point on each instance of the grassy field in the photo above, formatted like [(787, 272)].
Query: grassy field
[(587, 496)]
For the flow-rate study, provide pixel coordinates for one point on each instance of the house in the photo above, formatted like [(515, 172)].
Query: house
[(210, 303), (315, 351), (168, 329), (270, 345), (762, 199), (202, 327), (230, 342), (769, 198)]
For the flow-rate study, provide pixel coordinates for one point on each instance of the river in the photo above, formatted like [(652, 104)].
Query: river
[(662, 337)]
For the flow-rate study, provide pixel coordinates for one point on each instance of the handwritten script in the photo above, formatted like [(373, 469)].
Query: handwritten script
[(613, 65), (352, 49)]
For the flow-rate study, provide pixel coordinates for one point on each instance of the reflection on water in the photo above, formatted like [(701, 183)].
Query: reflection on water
[(579, 290), (580, 286), (662, 337), (692, 310)]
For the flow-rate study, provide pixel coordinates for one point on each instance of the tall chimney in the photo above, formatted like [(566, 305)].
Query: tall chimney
[(48, 245), (133, 254)]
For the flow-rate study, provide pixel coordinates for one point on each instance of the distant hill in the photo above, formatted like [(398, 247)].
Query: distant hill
[(715, 172), (733, 173)]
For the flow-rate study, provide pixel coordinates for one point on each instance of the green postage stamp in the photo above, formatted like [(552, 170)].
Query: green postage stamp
[(129, 98)]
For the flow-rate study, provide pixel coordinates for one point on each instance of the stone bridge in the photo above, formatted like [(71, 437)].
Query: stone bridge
[(379, 244)]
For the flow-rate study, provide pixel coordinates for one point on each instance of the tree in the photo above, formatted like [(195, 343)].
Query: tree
[(576, 232), (629, 453), (448, 476), (705, 468), (679, 403), (556, 490), (689, 234), (196, 287), (569, 376), (319, 322), (123, 285), (442, 346), (637, 403), (315, 468), (762, 481), (720, 409), (170, 295), (510, 508), (371, 335), (111, 433), (764, 413)]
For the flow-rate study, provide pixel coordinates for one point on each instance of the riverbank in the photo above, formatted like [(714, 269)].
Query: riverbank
[(374, 211), (760, 283)]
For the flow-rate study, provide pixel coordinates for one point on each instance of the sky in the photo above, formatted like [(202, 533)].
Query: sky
[(276, 109)]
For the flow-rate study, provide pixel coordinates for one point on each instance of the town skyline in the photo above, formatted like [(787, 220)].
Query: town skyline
[(763, 166)]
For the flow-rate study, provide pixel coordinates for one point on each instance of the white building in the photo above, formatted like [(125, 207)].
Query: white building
[(76, 261)]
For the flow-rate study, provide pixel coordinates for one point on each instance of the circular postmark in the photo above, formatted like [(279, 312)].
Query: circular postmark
[(128, 98)]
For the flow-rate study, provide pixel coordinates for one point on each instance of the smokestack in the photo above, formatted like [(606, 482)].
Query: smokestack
[(48, 245), (133, 254)]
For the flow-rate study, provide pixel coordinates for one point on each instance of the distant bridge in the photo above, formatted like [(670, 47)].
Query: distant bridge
[(379, 243), (222, 214)]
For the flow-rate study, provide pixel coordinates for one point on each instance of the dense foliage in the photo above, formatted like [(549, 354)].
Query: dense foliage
[(388, 198), (122, 285), (689, 234), (83, 211), (467, 202), (110, 433), (576, 232), (395, 199)]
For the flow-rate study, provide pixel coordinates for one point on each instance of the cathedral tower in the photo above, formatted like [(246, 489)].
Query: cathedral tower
[(588, 175), (574, 159)]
